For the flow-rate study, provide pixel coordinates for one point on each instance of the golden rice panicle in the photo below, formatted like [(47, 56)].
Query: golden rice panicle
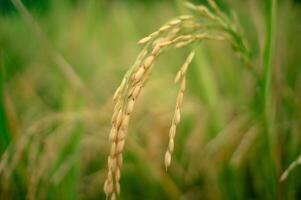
[(120, 119), (177, 114), (177, 33), (175, 122), (117, 138), (131, 87)]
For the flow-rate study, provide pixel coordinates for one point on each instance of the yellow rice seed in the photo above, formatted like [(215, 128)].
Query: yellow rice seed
[(144, 40), (119, 160), (183, 44), (201, 36), (135, 92), (125, 121), (105, 188), (120, 146), (109, 162), (114, 164), (183, 85), (117, 188), (113, 134), (156, 50), (117, 174), (178, 76), (148, 61), (167, 159), (175, 22), (131, 92), (154, 34), (164, 28), (284, 175), (177, 116), (113, 149), (191, 56), (119, 118), (187, 37), (130, 106), (165, 43), (121, 134), (158, 41), (171, 145), (205, 11), (183, 38), (138, 75), (110, 177), (117, 106), (172, 131), (185, 17), (174, 31), (108, 187), (180, 99), (113, 197), (114, 117), (184, 68)]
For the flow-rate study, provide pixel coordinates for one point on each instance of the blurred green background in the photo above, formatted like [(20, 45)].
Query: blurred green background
[(59, 71)]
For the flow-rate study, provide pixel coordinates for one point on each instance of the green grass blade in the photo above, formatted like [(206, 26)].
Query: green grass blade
[(4, 129)]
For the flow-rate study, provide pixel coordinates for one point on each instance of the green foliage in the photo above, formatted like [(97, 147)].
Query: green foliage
[(240, 128)]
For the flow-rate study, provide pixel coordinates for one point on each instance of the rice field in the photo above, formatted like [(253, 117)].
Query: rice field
[(150, 99)]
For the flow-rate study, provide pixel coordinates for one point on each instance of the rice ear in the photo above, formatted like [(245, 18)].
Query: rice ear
[(177, 33)]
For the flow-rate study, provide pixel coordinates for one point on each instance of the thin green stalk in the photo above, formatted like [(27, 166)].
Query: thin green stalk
[(4, 129), (266, 97), (268, 53)]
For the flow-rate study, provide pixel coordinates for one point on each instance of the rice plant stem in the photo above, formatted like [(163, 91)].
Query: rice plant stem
[(266, 96), (4, 129), (268, 53)]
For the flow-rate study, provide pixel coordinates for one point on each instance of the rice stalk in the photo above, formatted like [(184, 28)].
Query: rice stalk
[(177, 115), (292, 166), (180, 32)]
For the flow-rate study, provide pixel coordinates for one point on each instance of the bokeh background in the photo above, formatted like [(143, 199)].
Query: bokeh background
[(61, 62)]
